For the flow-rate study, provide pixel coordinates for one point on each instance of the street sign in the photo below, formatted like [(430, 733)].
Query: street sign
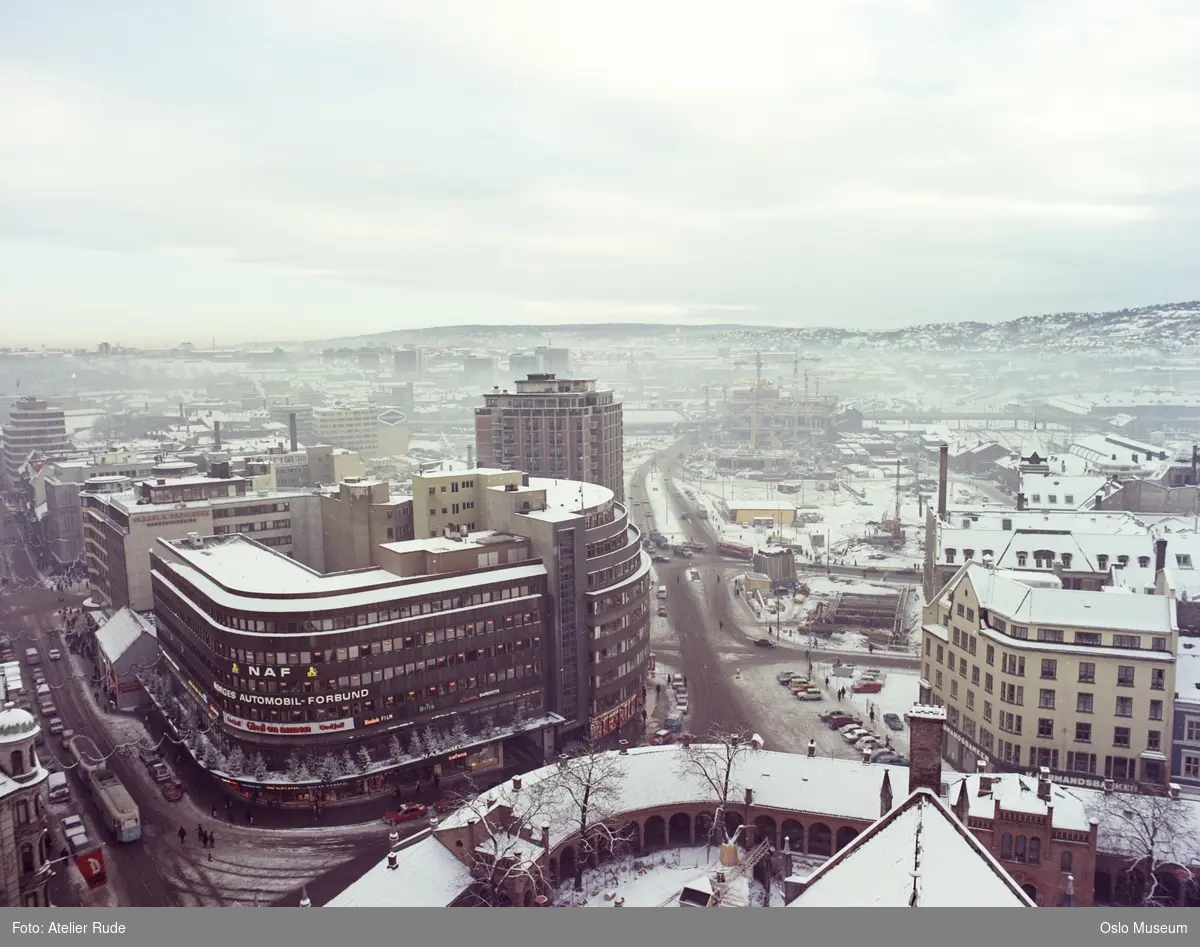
[(91, 866)]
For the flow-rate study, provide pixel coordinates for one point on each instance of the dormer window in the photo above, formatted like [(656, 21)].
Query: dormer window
[(1183, 561), (1022, 558), (1036, 498), (950, 554), (1123, 561), (1069, 500), (1052, 498), (968, 554), (1066, 560), (1102, 562)]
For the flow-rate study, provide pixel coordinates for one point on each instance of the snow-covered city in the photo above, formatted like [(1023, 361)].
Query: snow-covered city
[(594, 457)]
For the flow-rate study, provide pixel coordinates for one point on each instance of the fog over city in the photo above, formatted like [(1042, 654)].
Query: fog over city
[(529, 454), (271, 167)]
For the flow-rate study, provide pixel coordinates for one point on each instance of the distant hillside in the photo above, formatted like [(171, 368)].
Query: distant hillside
[(1169, 328)]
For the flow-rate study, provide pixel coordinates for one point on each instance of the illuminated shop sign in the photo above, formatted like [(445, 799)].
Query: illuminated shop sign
[(471, 697), (373, 721), (288, 729), (461, 755), (288, 700)]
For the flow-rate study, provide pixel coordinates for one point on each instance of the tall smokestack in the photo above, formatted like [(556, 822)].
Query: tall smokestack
[(470, 456), (216, 435), (943, 474), (1195, 462), (292, 431), (1160, 555)]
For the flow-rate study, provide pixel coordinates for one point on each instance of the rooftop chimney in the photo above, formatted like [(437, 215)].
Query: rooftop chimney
[(1020, 502), (624, 746), (1109, 787), (812, 748), (295, 442), (516, 784), (1044, 783), (943, 473), (216, 435), (1160, 555), (925, 727)]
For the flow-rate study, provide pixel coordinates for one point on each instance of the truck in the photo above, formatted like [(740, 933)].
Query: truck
[(734, 550), (702, 513), (117, 809)]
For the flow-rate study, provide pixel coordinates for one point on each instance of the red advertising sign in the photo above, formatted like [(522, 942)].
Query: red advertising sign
[(91, 866)]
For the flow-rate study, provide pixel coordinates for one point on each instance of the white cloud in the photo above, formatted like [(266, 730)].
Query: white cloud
[(568, 156)]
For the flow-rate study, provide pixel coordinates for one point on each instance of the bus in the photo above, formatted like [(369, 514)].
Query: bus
[(118, 810), (727, 547)]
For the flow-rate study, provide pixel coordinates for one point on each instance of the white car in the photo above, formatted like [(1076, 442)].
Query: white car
[(54, 654), (867, 743), (855, 735)]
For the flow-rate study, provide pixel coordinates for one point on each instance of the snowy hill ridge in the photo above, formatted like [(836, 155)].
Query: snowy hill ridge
[(1165, 328)]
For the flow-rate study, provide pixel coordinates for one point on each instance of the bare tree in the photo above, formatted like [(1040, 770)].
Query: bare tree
[(1154, 835), (507, 856), (715, 763), (586, 789)]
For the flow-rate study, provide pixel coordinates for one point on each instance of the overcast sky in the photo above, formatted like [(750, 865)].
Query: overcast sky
[(258, 170)]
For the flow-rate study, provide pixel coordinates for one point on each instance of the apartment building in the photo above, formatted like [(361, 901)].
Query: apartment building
[(554, 427), (1033, 676), (353, 427), (123, 520), (26, 847), (33, 425), (1185, 751)]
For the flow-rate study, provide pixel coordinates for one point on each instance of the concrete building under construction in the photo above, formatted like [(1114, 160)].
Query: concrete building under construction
[(764, 416)]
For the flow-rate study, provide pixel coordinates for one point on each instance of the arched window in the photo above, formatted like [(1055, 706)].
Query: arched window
[(27, 860), (1019, 849), (1065, 861), (1006, 845), (18, 762), (1035, 851)]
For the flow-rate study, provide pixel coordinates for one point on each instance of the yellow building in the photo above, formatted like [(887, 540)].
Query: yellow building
[(454, 499), (1034, 675), (780, 513)]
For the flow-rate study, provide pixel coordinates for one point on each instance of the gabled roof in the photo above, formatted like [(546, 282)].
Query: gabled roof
[(118, 634), (427, 875), (918, 855)]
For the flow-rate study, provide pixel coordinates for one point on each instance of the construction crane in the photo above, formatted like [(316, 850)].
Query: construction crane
[(795, 358)]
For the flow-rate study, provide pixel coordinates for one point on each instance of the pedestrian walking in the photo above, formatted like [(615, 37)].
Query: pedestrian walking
[(212, 840), (182, 835), (214, 810)]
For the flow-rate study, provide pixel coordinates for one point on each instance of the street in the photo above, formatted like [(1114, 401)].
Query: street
[(247, 865)]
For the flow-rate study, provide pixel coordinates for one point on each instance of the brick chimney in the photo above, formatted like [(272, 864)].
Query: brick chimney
[(925, 728), (516, 783), (943, 476), (1044, 783), (1160, 555), (216, 435)]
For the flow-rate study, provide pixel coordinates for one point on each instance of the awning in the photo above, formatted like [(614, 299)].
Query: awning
[(1153, 755)]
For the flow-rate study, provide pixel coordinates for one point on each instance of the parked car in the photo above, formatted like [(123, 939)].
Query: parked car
[(783, 677), (47, 709), (56, 726), (811, 694), (893, 721), (447, 804), (662, 611), (854, 734), (869, 742), (764, 643), (841, 719), (65, 737), (72, 824), (39, 679), (867, 687), (54, 654), (160, 772), (148, 755), (408, 812), (660, 558)]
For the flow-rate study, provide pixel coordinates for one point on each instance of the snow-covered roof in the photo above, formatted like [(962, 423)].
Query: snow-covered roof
[(1071, 608), (237, 573), (655, 776), (918, 855), (118, 634), (1187, 670), (426, 875), (1015, 792)]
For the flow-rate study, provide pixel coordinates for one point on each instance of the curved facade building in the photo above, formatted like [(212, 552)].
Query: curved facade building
[(531, 617)]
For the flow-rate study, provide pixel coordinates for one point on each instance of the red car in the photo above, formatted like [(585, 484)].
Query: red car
[(406, 813), (446, 804), (867, 687)]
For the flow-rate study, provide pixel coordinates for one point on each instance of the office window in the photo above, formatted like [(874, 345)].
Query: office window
[(1125, 676), (928, 646), (1127, 641), (1083, 733), (991, 655), (962, 667), (1158, 679), (1083, 703), (1156, 710), (1154, 740), (1192, 729), (1046, 699), (954, 689), (988, 683), (938, 681), (1045, 728), (1018, 631), (975, 674), (1158, 644), (1087, 672), (1124, 707), (1081, 763), (1121, 736), (987, 711), (1050, 634), (1191, 766), (970, 700), (1049, 669), (1090, 638), (941, 655)]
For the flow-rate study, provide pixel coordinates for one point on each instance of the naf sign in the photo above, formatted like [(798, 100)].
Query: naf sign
[(269, 671)]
